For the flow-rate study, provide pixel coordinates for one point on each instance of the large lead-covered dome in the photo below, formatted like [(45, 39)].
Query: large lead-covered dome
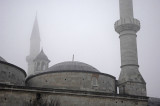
[(72, 66), (73, 75)]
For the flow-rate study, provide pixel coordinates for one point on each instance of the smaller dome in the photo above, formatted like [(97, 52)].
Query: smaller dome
[(41, 56), (1, 59), (11, 74), (72, 66)]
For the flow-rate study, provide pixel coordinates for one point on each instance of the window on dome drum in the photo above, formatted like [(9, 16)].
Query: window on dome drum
[(94, 82)]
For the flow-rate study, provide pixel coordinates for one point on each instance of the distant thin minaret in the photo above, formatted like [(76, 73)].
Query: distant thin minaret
[(130, 80), (34, 46)]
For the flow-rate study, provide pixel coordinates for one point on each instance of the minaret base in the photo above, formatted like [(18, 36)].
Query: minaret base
[(132, 88), (131, 81)]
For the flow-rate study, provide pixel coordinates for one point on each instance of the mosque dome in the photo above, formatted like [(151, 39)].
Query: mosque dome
[(72, 66), (11, 74), (73, 75)]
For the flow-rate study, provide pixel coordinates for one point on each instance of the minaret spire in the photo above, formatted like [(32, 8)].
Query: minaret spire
[(130, 80), (34, 46), (35, 31)]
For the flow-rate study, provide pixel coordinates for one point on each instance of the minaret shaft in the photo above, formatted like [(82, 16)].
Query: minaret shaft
[(126, 8), (128, 45), (130, 80)]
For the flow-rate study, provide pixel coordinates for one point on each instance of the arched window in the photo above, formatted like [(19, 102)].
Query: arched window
[(43, 67), (38, 66), (94, 82)]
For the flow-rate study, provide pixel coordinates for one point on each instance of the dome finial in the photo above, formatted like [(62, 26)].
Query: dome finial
[(73, 58)]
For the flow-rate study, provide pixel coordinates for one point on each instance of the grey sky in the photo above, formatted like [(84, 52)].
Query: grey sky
[(84, 28)]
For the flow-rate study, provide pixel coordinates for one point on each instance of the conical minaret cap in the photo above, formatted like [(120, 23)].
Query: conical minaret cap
[(35, 31), (41, 56)]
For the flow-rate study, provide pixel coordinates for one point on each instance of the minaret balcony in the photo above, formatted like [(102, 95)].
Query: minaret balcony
[(127, 24)]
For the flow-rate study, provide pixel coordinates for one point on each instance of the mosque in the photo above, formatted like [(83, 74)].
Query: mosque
[(74, 83)]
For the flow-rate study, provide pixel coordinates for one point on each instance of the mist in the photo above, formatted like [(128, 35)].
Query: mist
[(84, 28)]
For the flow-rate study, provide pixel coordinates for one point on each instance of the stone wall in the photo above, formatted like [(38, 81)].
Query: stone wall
[(39, 97), (74, 80)]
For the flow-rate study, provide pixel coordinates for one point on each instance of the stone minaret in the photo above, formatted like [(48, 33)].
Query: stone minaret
[(130, 80), (34, 47)]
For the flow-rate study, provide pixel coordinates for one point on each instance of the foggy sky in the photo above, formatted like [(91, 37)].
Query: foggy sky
[(84, 28)]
